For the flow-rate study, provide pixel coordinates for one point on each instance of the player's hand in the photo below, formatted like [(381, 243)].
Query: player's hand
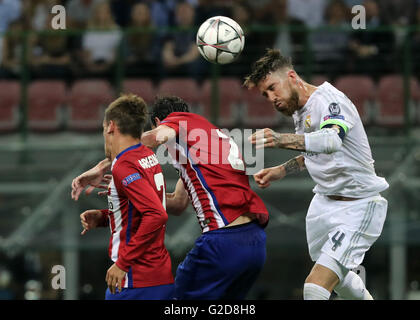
[(106, 180), (265, 176), (114, 278), (90, 219), (92, 179), (265, 138)]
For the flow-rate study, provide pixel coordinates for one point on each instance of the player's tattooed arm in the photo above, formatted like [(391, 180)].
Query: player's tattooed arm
[(267, 138), (294, 165), (264, 177), (289, 141)]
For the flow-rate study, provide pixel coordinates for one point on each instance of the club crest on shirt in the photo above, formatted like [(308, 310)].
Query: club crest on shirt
[(334, 109), (308, 121)]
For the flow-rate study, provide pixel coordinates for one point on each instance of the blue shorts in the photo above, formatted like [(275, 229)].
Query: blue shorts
[(162, 292), (223, 264)]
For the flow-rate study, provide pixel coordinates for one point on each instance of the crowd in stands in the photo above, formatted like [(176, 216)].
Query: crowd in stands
[(160, 41)]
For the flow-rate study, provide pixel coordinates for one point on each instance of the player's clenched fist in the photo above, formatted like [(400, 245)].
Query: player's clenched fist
[(91, 219), (265, 138), (264, 176)]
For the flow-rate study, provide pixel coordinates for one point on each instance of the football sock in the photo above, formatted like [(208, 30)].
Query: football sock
[(352, 288), (313, 291)]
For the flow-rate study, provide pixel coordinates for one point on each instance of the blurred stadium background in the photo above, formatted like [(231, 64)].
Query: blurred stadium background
[(54, 86)]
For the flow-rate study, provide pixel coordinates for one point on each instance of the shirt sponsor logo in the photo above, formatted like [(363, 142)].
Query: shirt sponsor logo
[(149, 162), (131, 178), (330, 116), (334, 109)]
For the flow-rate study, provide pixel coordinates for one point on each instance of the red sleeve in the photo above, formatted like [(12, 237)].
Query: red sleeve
[(131, 181), (104, 221)]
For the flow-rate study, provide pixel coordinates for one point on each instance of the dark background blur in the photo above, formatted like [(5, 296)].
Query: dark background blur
[(55, 84)]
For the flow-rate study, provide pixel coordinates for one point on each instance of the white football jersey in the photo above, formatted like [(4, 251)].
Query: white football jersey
[(349, 171)]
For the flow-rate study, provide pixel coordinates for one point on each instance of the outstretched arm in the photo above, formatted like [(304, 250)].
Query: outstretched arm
[(326, 140), (267, 138), (177, 201), (157, 136), (92, 178), (265, 176)]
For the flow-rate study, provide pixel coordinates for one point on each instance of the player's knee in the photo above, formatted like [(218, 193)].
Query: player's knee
[(311, 278), (323, 276), (315, 277)]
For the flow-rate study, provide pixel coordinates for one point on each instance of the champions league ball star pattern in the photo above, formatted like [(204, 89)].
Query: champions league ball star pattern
[(220, 40)]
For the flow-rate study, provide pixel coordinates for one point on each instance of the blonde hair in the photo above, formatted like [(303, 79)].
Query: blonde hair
[(129, 113)]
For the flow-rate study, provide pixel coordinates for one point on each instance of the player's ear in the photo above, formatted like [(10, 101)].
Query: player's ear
[(293, 77), (157, 121), (291, 74), (111, 127)]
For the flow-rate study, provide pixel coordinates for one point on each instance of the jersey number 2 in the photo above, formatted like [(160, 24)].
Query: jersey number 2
[(160, 185), (233, 158)]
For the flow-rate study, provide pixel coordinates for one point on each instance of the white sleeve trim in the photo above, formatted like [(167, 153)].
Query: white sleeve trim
[(323, 141)]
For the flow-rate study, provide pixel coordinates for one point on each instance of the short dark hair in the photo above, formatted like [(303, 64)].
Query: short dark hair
[(273, 60), (129, 113), (165, 105)]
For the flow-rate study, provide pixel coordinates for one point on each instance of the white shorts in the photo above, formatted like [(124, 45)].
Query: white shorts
[(344, 230)]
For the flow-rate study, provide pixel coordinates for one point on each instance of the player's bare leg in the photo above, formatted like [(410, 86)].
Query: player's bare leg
[(320, 283), (322, 280)]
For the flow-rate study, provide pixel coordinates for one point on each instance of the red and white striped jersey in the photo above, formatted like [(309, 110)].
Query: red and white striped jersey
[(213, 172), (137, 218)]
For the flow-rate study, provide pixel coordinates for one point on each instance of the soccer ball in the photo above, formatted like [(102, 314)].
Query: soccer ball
[(220, 40)]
